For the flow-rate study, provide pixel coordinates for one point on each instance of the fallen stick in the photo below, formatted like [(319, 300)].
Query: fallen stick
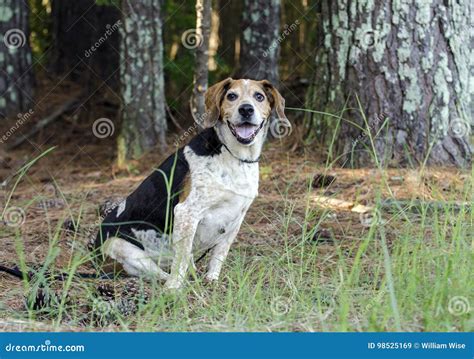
[(339, 204), (43, 123), (392, 205)]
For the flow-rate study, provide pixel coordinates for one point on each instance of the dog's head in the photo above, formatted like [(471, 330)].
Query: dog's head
[(242, 107)]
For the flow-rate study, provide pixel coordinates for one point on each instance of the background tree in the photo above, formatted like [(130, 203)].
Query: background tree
[(201, 73), (259, 51), (79, 26), (16, 73), (403, 70), (229, 19), (142, 81)]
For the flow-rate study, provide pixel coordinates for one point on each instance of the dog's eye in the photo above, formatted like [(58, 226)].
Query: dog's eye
[(259, 97), (231, 96)]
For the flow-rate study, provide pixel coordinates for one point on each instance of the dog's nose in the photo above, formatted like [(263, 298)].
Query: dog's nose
[(246, 111)]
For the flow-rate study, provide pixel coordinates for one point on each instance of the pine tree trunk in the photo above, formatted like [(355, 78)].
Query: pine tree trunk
[(16, 75), (142, 82), (201, 72), (85, 42), (259, 50), (404, 66)]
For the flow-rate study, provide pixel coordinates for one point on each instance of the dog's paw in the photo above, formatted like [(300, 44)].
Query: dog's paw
[(211, 278), (172, 285)]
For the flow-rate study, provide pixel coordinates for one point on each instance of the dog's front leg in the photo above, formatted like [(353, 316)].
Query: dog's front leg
[(184, 229), (219, 254)]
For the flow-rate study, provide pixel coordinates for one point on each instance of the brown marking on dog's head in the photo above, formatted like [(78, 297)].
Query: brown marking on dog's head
[(213, 99), (245, 92), (244, 105), (277, 101), (224, 98)]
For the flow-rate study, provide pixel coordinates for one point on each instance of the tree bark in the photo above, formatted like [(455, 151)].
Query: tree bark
[(142, 82), (201, 72), (16, 75), (259, 42), (402, 70)]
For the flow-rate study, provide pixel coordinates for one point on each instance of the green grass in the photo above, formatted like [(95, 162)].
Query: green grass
[(406, 281), (409, 270)]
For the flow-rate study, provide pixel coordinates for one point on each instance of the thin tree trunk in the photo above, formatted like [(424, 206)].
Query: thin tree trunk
[(141, 73), (403, 68), (16, 75), (203, 31), (259, 43)]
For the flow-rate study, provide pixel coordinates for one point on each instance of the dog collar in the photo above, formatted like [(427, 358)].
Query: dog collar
[(240, 159)]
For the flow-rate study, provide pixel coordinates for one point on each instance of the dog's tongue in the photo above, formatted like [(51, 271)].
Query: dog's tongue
[(245, 131)]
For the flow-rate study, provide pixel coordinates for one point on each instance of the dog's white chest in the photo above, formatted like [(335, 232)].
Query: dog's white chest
[(219, 221), (214, 176), (222, 191)]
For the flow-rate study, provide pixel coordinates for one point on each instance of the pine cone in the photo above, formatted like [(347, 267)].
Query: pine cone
[(50, 203), (127, 307), (106, 291), (134, 291)]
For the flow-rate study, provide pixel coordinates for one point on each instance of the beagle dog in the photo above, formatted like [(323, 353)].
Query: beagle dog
[(197, 199)]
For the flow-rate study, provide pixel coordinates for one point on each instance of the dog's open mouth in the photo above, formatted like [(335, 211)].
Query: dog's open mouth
[(246, 132)]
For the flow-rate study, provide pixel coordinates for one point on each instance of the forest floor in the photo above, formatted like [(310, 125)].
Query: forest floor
[(371, 251)]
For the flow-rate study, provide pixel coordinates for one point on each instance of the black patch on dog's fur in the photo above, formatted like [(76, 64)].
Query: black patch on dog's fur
[(206, 143), (146, 207)]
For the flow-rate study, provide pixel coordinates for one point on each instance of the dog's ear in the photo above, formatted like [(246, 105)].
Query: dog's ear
[(213, 99), (277, 101)]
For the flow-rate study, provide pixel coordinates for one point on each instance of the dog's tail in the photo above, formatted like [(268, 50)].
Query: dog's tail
[(18, 273), (15, 272)]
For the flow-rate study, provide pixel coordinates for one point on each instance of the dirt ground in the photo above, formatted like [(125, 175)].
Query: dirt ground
[(78, 175)]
